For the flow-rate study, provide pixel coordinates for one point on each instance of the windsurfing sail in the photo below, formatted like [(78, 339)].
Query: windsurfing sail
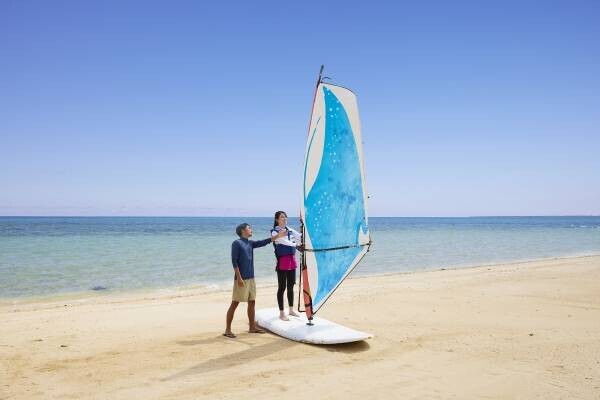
[(334, 205)]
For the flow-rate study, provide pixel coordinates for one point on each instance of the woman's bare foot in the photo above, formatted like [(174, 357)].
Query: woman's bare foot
[(283, 317), (293, 313)]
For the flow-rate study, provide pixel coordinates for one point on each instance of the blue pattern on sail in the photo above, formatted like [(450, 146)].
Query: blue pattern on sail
[(335, 210)]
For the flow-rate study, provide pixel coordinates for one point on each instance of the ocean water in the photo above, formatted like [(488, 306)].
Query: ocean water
[(47, 256)]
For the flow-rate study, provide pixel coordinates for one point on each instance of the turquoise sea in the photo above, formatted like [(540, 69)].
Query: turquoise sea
[(47, 256)]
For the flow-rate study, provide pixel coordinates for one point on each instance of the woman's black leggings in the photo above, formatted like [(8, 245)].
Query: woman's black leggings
[(286, 280)]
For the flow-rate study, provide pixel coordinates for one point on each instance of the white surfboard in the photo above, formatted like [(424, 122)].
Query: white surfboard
[(321, 332)]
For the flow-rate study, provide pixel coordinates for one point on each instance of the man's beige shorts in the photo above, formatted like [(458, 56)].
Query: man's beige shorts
[(245, 293)]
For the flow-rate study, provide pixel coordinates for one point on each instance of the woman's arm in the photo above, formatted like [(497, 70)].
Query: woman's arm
[(297, 235)]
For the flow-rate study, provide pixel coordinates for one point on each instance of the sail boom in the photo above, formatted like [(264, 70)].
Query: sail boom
[(341, 247)]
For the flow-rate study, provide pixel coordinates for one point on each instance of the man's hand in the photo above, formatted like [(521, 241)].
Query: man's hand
[(240, 282)]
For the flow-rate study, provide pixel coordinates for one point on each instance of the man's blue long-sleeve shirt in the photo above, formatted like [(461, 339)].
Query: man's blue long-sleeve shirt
[(242, 255)]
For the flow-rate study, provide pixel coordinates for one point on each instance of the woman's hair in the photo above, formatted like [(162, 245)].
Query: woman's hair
[(277, 215), (240, 228)]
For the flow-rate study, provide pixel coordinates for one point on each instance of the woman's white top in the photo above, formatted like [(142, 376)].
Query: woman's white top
[(293, 238)]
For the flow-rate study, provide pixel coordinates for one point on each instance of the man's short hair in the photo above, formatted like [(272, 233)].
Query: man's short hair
[(240, 228)]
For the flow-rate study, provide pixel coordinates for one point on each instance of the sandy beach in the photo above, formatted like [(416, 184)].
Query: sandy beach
[(524, 330)]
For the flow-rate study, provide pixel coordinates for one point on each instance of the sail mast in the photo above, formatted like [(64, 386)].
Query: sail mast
[(304, 284)]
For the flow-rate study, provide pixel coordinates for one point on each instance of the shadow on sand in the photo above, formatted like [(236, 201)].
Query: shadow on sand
[(348, 348), (274, 345), (208, 340)]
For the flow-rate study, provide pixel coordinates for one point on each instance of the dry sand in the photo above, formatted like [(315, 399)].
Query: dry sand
[(527, 330)]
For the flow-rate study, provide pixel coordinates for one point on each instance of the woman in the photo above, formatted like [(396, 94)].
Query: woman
[(285, 252)]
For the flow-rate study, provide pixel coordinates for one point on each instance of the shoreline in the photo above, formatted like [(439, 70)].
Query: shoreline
[(518, 330), (168, 292)]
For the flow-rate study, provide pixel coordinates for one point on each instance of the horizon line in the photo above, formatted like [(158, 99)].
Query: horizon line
[(292, 216)]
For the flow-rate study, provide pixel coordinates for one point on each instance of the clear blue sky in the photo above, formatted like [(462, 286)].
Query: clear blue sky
[(180, 108)]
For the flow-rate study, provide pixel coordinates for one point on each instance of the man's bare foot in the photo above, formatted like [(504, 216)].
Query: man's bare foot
[(230, 335), (256, 330)]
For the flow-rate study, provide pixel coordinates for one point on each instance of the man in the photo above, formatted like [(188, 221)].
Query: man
[(244, 287)]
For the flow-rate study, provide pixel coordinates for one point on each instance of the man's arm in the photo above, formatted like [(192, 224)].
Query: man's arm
[(235, 252), (261, 243), (238, 277)]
